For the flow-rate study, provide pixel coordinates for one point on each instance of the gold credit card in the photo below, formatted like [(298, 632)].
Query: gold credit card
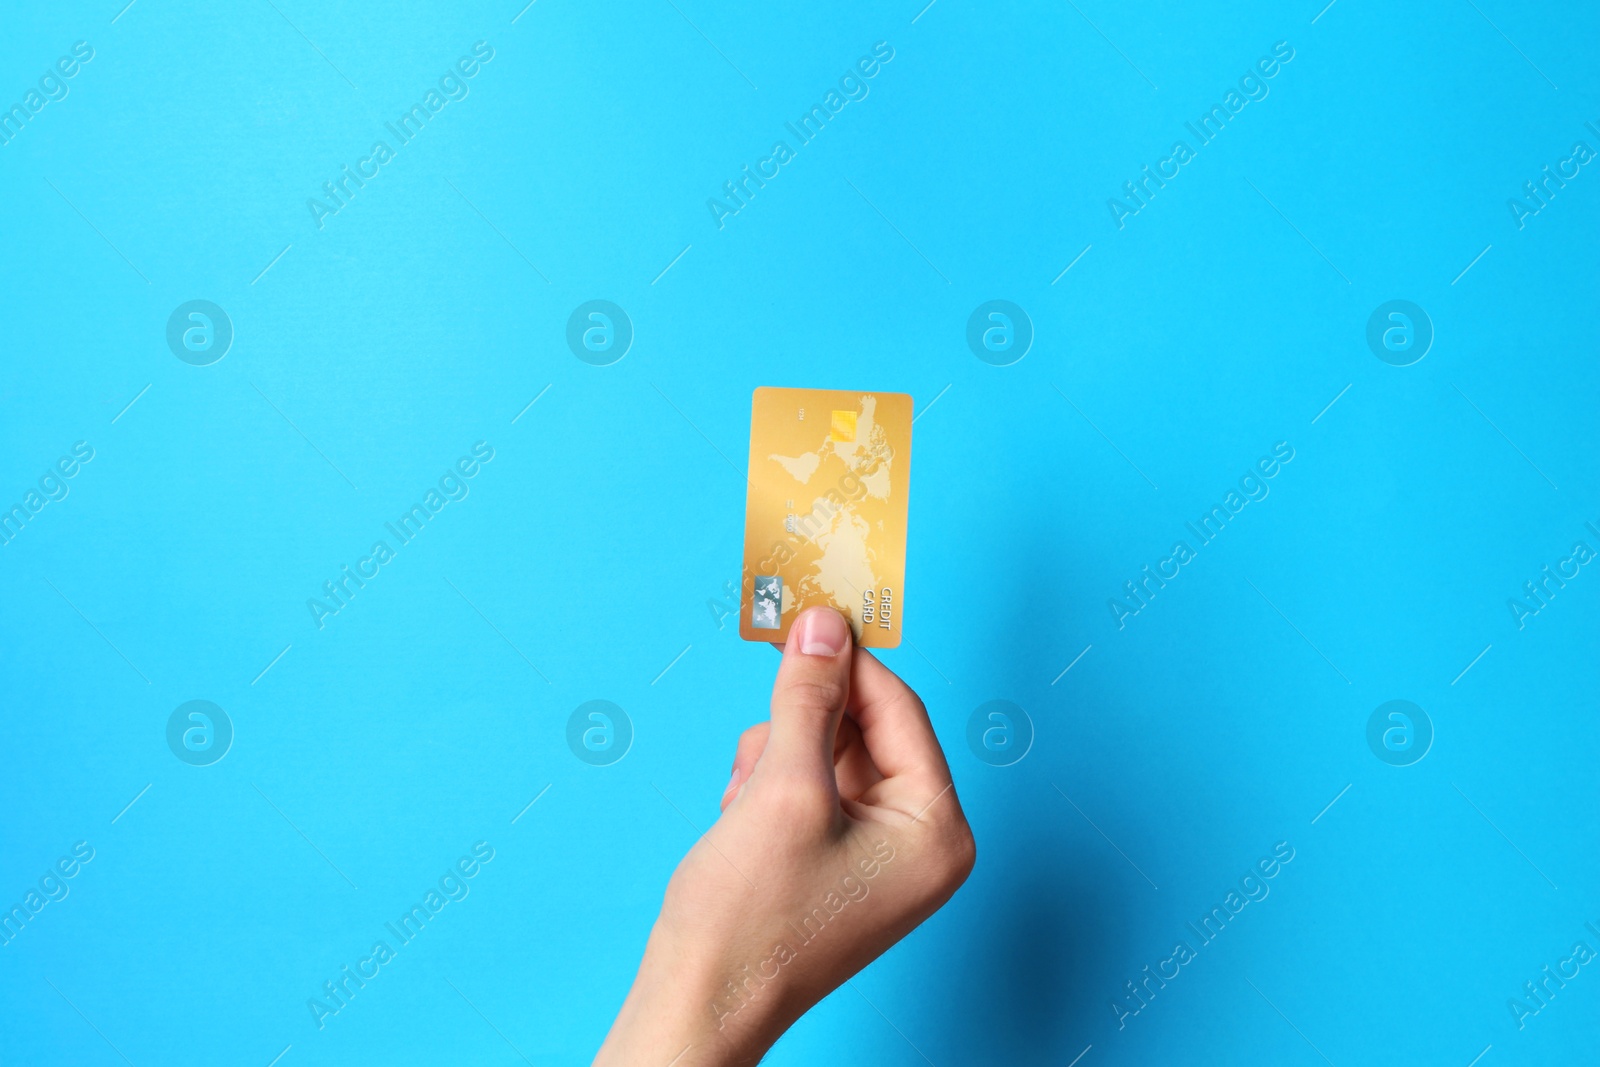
[(825, 514)]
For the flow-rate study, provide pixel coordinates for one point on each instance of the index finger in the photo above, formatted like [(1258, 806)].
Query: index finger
[(894, 724)]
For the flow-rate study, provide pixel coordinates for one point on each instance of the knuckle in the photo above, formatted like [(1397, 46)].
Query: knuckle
[(796, 800), (949, 862), (962, 853), (817, 693), (954, 850), (905, 699)]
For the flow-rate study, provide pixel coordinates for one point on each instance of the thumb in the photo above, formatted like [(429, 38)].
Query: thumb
[(809, 695)]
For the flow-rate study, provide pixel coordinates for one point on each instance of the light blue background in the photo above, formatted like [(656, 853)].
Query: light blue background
[(593, 549)]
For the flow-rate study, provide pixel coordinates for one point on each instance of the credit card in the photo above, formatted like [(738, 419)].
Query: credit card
[(825, 511)]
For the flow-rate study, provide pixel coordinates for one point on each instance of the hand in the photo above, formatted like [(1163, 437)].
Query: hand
[(840, 833)]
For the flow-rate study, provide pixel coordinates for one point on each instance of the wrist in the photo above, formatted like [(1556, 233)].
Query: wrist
[(694, 1004)]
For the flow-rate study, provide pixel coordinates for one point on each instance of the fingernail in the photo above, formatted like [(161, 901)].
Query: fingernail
[(733, 783), (821, 632)]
